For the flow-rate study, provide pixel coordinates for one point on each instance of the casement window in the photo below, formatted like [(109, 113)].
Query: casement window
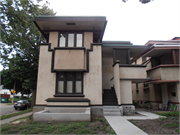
[(70, 39), (69, 83)]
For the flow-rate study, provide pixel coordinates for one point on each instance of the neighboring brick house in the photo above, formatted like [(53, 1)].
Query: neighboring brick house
[(162, 60)]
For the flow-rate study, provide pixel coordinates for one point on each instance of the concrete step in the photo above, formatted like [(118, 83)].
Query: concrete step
[(111, 110), (112, 114), (110, 107)]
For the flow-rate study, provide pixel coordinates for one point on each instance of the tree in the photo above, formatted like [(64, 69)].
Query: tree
[(21, 38), (142, 1)]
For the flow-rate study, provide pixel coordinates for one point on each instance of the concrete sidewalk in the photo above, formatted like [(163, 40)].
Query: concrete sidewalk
[(121, 125), (14, 118)]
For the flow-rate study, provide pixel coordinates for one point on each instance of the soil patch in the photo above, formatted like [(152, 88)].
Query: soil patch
[(168, 125)]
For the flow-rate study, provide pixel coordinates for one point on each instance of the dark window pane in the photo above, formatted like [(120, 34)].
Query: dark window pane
[(62, 39), (60, 82), (69, 82), (70, 40), (78, 82), (79, 40)]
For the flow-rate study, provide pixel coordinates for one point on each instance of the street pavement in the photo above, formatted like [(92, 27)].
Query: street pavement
[(6, 109)]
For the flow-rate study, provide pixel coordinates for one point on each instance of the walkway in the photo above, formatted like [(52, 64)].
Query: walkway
[(14, 118), (121, 125)]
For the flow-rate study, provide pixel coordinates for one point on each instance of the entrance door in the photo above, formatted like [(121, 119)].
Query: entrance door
[(164, 93)]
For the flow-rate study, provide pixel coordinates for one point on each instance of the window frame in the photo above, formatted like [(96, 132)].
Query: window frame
[(75, 38), (65, 84)]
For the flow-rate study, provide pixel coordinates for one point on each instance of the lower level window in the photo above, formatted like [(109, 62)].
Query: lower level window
[(69, 82)]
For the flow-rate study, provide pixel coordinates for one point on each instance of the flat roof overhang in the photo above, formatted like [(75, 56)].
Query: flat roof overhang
[(95, 24), (135, 50), (158, 51)]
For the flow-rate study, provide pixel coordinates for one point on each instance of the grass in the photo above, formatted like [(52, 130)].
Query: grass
[(10, 104), (98, 125), (169, 114), (17, 99), (15, 114)]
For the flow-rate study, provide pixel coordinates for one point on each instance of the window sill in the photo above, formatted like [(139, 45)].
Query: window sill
[(68, 95), (146, 88)]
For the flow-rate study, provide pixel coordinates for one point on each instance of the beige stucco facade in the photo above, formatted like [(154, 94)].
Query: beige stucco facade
[(126, 91), (132, 72), (69, 59), (68, 103), (53, 39), (93, 79), (46, 80), (107, 70)]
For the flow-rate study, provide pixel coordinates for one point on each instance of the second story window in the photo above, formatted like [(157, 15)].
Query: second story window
[(70, 40)]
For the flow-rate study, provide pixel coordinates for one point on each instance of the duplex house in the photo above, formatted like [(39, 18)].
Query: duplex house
[(162, 61), (80, 75)]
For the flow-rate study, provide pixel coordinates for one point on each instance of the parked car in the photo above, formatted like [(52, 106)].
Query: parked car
[(22, 104)]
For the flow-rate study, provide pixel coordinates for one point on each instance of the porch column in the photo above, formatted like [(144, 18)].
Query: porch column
[(117, 81)]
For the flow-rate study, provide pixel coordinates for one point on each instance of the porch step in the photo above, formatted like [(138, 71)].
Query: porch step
[(111, 111)]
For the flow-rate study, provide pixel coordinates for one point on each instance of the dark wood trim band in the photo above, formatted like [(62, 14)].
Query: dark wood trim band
[(115, 63), (67, 100), (111, 79), (128, 65), (146, 61), (40, 105), (68, 70), (69, 48), (67, 106), (161, 81), (126, 104), (170, 65), (68, 95)]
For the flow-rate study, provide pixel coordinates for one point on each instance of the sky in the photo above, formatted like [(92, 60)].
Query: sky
[(130, 21)]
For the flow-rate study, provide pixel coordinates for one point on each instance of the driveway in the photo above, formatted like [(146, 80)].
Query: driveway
[(6, 109)]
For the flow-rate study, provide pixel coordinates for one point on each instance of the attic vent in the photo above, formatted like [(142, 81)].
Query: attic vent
[(70, 24)]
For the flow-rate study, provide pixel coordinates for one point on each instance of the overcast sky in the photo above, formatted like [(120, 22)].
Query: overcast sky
[(130, 21)]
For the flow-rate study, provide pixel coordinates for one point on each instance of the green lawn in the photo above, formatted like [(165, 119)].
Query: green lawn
[(17, 99), (98, 125), (168, 114), (15, 114)]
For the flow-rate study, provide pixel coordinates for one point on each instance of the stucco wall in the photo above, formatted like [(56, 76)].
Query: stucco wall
[(69, 59), (170, 73), (46, 79), (88, 39), (93, 79), (132, 72), (107, 70), (155, 92), (154, 74), (126, 92), (172, 87), (117, 83), (53, 39)]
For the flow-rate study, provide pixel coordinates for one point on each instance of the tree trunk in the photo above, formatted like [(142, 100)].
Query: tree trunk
[(33, 98), (22, 94)]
